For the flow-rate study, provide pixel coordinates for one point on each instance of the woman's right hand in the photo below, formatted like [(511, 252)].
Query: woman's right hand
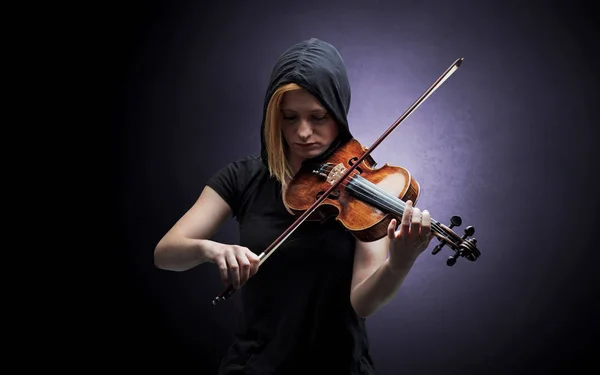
[(236, 263)]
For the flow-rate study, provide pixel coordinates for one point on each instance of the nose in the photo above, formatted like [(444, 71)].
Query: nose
[(304, 130)]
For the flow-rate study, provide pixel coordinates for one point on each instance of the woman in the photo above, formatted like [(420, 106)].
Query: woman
[(306, 308)]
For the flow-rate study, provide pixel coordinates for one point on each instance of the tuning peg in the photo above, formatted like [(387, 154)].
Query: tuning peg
[(455, 221), (452, 259), (438, 247), (469, 231)]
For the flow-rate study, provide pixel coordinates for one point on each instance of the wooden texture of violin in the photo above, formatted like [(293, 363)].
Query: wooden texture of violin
[(354, 205)]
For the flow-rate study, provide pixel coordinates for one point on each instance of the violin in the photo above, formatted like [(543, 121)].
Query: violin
[(364, 198)]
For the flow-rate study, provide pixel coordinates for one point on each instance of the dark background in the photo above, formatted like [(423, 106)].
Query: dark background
[(508, 143)]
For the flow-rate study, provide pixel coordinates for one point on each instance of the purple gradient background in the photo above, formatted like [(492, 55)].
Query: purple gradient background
[(506, 143)]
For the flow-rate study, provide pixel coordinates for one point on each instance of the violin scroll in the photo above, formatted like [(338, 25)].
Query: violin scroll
[(463, 246)]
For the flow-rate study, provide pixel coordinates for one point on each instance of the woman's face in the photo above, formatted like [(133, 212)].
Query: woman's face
[(307, 127)]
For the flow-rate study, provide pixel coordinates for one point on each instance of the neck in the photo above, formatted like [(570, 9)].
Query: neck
[(295, 163), (380, 198)]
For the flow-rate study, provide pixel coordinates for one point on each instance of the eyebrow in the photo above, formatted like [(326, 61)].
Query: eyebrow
[(316, 110)]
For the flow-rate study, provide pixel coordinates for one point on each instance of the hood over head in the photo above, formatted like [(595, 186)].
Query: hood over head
[(317, 67)]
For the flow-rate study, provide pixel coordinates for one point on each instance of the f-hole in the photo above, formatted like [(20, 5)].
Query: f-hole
[(333, 195), (351, 163)]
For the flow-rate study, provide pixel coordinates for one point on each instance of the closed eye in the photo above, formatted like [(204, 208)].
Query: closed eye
[(314, 117)]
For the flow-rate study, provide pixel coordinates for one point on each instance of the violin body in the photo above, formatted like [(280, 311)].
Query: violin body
[(355, 202)]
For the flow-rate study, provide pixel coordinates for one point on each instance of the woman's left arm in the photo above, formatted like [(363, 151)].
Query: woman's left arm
[(377, 277)]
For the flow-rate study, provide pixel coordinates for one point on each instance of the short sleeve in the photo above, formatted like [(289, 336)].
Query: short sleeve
[(231, 182)]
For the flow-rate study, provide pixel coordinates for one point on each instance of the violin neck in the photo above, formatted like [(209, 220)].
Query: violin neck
[(370, 193)]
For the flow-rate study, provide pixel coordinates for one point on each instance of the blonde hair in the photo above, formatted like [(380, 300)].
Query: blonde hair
[(278, 164)]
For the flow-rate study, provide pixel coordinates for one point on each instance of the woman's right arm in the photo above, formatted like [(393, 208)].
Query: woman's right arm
[(187, 244)]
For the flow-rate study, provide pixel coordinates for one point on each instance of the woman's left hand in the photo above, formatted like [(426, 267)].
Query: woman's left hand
[(412, 237)]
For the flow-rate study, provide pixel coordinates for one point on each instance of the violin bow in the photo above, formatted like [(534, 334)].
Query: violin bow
[(275, 244)]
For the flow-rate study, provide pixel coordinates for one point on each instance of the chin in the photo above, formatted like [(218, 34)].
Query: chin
[(309, 154)]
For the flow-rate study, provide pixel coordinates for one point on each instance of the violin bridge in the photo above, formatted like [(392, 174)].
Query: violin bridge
[(336, 173)]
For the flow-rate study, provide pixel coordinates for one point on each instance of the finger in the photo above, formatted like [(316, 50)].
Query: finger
[(254, 262), (222, 264), (405, 227), (244, 263), (391, 229), (426, 225), (234, 269), (415, 222)]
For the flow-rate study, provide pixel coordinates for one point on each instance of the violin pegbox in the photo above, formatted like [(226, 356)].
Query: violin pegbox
[(464, 246)]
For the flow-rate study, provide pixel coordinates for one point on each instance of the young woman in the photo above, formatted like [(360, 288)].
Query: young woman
[(305, 310)]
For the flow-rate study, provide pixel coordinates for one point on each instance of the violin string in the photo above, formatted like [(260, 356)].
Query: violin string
[(374, 194)]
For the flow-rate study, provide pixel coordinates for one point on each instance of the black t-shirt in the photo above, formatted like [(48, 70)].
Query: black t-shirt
[(296, 314)]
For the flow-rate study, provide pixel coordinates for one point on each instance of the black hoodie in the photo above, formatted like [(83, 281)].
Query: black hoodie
[(316, 66)]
